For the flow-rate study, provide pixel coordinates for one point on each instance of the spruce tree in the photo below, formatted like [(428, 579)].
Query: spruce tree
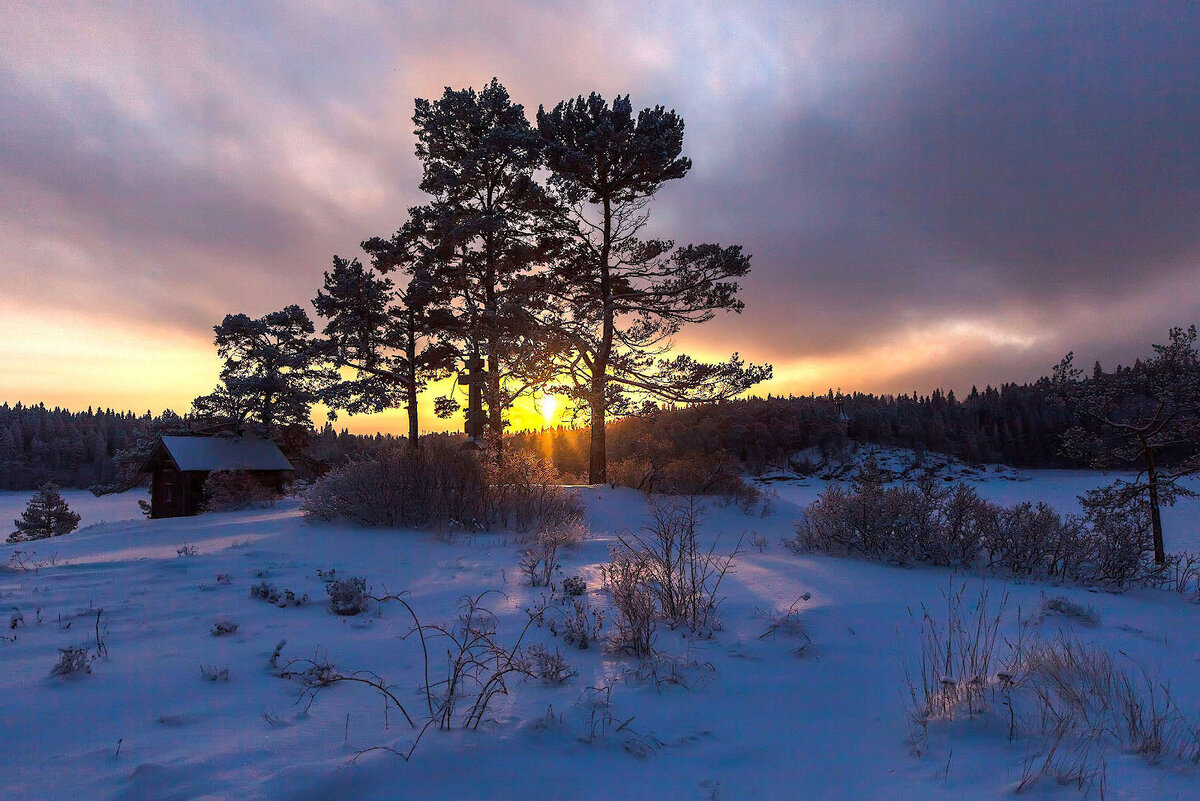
[(47, 515)]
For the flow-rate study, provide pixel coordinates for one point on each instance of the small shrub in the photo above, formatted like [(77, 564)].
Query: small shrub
[(656, 468), (548, 666), (625, 578), (214, 673), (186, 550), (1061, 605), (72, 661), (683, 578), (574, 586), (47, 515), (223, 627), (581, 624), (271, 594), (1118, 539), (347, 596), (789, 623), (540, 560)]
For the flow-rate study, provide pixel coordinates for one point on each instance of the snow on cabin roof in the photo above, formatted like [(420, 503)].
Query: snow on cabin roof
[(225, 453)]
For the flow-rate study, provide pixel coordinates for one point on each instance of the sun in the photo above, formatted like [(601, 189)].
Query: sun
[(548, 406)]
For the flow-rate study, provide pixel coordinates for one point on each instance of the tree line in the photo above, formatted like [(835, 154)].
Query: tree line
[(70, 449), (1015, 424)]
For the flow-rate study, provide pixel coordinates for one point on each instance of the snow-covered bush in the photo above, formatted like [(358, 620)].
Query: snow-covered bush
[(1064, 606), (72, 661), (574, 585), (47, 515), (230, 490), (539, 560), (347, 596), (682, 577), (525, 493), (270, 593), (626, 579), (441, 486), (551, 667), (1118, 540), (1031, 540), (657, 469), (214, 673), (1109, 545), (222, 627), (581, 624)]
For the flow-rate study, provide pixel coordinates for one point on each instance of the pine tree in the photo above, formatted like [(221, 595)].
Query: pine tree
[(482, 234), (271, 374), (621, 298), (1148, 416), (47, 515), (385, 334)]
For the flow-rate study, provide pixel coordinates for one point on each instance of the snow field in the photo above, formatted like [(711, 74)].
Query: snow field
[(740, 715)]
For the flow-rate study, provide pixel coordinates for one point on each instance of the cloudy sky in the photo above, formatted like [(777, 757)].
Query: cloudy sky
[(934, 194)]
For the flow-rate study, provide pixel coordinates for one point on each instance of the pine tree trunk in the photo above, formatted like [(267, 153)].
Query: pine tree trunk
[(495, 413), (597, 460), (598, 454), (1160, 554), (414, 440), (410, 387)]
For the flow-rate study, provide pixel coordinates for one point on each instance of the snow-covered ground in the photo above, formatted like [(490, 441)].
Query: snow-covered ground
[(757, 722)]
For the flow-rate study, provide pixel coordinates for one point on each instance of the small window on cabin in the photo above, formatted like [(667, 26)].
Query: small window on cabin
[(166, 493)]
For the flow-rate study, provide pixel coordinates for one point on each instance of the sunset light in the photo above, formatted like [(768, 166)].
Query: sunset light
[(548, 406)]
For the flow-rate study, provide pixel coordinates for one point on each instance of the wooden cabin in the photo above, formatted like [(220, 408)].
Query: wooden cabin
[(178, 467)]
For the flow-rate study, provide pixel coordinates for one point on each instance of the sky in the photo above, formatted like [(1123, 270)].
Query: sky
[(934, 194)]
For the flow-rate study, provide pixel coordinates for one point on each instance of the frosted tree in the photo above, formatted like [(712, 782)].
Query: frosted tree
[(1147, 415), (272, 375), (620, 298), (47, 515), (482, 234)]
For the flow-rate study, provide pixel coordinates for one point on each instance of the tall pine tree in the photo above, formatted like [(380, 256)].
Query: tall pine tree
[(620, 298)]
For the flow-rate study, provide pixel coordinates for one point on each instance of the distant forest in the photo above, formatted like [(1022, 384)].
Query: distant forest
[(1017, 424), (96, 448)]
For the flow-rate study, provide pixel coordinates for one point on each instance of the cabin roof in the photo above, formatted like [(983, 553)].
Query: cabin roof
[(225, 453)]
